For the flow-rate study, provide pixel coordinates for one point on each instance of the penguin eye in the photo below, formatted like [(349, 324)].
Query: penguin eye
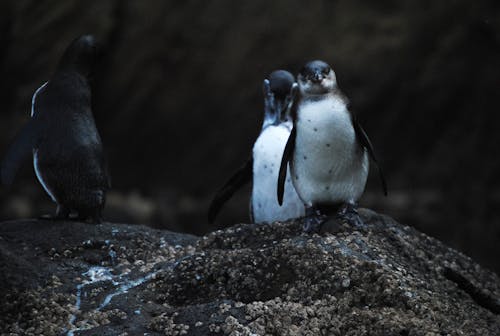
[(326, 71)]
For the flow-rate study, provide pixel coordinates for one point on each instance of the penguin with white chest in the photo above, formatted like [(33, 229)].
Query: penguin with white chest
[(63, 139), (263, 167), (328, 151)]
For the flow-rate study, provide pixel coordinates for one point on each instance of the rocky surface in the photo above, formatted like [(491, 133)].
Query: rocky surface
[(190, 73), (113, 279)]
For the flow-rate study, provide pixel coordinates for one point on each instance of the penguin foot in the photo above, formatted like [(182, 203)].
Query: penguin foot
[(47, 217), (355, 221), (349, 214), (90, 216), (313, 224), (90, 219), (313, 220), (93, 218), (62, 212)]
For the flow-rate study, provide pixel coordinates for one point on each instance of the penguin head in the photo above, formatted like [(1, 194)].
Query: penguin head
[(278, 95), (80, 55), (281, 82), (316, 78)]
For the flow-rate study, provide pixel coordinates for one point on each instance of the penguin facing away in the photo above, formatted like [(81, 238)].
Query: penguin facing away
[(263, 167), (328, 150), (62, 136)]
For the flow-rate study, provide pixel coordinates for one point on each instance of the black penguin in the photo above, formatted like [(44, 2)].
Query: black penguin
[(62, 136), (327, 149)]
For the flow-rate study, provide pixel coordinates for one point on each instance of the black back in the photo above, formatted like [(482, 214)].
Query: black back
[(62, 128)]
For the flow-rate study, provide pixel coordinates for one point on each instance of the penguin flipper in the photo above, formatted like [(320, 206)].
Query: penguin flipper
[(20, 149), (366, 143), (241, 177), (287, 156)]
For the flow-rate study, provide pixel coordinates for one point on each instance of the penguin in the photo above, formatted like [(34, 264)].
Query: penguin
[(263, 166), (327, 150), (63, 140)]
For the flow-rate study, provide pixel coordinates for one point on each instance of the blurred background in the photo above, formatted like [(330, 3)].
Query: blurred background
[(177, 99)]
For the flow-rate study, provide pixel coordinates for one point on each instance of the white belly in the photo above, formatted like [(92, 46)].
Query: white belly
[(40, 176), (267, 154), (328, 165)]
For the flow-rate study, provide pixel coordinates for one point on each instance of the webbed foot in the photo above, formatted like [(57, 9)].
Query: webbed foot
[(313, 220), (349, 213)]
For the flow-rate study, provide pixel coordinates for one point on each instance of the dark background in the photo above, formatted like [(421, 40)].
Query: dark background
[(178, 101)]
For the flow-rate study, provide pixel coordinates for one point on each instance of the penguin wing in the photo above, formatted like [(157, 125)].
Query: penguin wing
[(366, 143), (241, 177), (287, 156), (20, 149)]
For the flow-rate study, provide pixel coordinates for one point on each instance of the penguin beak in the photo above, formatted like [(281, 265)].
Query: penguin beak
[(317, 78)]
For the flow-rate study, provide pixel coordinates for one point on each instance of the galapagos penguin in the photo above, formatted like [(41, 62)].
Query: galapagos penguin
[(62, 136)]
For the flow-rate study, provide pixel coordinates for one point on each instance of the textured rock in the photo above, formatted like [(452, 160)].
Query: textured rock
[(409, 68), (387, 279)]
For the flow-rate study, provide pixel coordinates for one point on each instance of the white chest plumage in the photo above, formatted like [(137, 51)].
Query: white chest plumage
[(267, 154), (328, 164)]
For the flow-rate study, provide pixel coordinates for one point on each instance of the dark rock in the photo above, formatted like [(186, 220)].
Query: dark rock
[(387, 279), (183, 80)]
